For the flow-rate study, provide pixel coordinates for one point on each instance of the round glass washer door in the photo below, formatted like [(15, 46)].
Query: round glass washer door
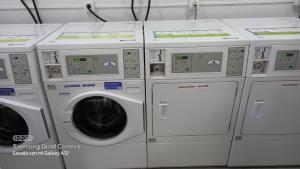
[(99, 117), (11, 123)]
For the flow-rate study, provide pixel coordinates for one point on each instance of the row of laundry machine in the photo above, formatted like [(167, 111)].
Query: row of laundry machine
[(153, 94)]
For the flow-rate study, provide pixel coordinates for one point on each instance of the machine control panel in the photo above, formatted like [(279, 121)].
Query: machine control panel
[(20, 68), (157, 56), (51, 57), (196, 62), (131, 63), (235, 61), (259, 67), (54, 71), (288, 60), (182, 63), (157, 59), (262, 52), (52, 63), (3, 73), (92, 64)]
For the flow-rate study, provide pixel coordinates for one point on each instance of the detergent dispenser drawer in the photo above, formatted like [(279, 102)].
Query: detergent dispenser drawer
[(193, 109), (273, 108)]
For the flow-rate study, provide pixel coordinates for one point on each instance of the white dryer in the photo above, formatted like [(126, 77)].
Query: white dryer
[(194, 78), (25, 120), (94, 79), (268, 129)]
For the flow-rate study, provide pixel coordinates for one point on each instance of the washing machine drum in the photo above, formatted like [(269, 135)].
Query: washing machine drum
[(99, 117), (11, 124)]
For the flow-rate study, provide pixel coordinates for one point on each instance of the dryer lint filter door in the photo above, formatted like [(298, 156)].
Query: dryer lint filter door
[(184, 109), (273, 108)]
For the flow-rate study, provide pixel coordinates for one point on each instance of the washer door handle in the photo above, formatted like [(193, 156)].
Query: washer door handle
[(257, 108), (163, 112)]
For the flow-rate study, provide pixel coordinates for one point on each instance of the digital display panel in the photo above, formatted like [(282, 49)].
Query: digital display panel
[(287, 60), (92, 64)]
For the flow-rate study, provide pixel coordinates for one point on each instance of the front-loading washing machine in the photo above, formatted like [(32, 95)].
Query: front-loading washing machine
[(27, 135), (194, 79), (94, 80), (268, 129)]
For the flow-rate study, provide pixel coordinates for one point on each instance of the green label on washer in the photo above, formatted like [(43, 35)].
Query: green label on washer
[(276, 33), (14, 39), (189, 34), (121, 36), (288, 31)]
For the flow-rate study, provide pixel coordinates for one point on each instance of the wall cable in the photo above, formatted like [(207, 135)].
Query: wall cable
[(196, 11), (132, 10), (89, 8), (148, 10), (30, 12), (37, 12)]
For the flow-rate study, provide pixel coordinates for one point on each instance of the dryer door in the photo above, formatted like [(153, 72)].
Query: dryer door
[(273, 108), (103, 118), (193, 109), (20, 124)]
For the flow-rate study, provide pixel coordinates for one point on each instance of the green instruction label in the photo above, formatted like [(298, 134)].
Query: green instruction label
[(275, 31), (190, 34), (13, 40), (122, 36)]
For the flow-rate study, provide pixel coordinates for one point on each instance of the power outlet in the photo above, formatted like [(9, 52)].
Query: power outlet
[(92, 3), (193, 3)]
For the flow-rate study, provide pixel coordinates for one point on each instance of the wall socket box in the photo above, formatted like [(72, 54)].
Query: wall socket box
[(92, 3), (193, 3)]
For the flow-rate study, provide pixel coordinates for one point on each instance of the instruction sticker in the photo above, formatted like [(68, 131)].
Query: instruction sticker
[(121, 36), (190, 34), (113, 85), (7, 91), (275, 31), (14, 38)]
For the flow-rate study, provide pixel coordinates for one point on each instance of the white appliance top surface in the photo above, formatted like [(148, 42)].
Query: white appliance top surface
[(95, 34), (266, 29), (15, 37), (184, 32)]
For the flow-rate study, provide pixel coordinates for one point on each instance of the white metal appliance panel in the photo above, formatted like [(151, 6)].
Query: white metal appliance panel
[(273, 108), (270, 60), (34, 120), (192, 108)]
